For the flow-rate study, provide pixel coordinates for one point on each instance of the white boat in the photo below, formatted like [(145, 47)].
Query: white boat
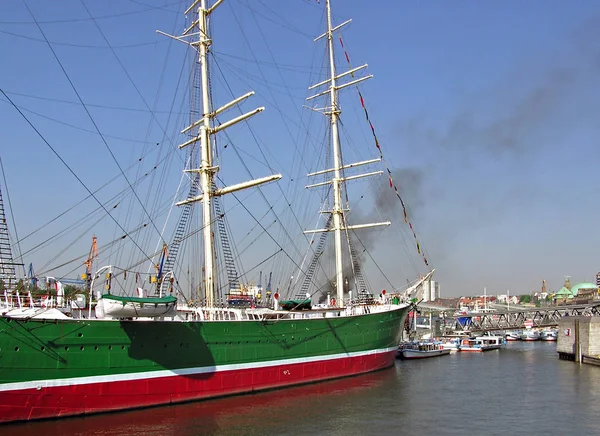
[(549, 335), (451, 344), (512, 336), (490, 342), (115, 306), (482, 343), (421, 350), (530, 335), (111, 306)]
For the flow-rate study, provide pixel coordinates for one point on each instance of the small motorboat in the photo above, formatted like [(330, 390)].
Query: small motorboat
[(421, 350), (451, 344), (481, 343), (512, 336), (549, 335), (530, 335)]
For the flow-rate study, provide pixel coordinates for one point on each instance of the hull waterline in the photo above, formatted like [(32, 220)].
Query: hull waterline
[(89, 398)]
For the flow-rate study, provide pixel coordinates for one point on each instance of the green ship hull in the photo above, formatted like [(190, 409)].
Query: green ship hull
[(51, 368)]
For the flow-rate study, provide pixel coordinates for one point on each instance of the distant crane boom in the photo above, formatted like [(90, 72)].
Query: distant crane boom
[(87, 277)]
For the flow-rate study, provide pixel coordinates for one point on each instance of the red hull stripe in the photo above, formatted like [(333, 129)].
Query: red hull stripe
[(39, 384), (103, 396)]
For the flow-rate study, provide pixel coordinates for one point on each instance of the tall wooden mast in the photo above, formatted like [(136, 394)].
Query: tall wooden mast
[(338, 180), (206, 129)]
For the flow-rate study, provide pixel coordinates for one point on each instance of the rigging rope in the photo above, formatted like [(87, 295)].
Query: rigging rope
[(391, 181)]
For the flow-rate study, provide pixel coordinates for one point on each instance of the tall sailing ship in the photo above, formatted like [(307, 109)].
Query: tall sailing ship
[(140, 351)]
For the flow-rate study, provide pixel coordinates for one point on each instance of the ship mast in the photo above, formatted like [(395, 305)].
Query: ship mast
[(205, 130), (333, 112)]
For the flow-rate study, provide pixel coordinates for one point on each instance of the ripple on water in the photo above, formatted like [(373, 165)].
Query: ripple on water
[(523, 387)]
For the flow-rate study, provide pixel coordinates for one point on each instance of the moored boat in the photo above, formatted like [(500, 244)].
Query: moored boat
[(144, 352), (549, 335), (421, 350), (530, 335), (481, 343), (491, 342), (451, 344), (512, 336)]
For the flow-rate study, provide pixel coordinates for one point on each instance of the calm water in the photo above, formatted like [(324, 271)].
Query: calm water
[(523, 388)]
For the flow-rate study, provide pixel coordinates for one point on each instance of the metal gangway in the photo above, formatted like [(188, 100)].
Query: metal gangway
[(516, 319)]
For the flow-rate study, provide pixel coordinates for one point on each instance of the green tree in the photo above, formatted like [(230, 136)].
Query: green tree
[(71, 291), (37, 291), (525, 298)]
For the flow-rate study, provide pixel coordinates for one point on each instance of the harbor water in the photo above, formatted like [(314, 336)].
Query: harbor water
[(522, 388)]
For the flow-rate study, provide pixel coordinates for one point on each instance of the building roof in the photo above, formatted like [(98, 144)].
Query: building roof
[(564, 292), (575, 289)]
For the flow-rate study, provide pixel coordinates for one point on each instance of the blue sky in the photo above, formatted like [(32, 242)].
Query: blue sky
[(487, 111)]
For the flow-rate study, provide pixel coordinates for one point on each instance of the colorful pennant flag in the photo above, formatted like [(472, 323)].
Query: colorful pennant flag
[(392, 184)]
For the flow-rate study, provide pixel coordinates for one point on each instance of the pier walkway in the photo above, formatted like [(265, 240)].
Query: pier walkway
[(516, 319)]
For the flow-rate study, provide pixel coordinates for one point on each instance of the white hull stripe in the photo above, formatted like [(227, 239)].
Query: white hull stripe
[(39, 384)]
